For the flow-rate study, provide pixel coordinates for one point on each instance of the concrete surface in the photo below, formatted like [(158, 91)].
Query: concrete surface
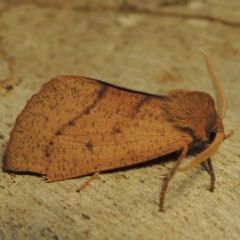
[(151, 47)]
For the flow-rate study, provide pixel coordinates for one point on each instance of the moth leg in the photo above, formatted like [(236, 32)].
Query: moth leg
[(169, 176), (212, 174), (210, 169), (88, 181)]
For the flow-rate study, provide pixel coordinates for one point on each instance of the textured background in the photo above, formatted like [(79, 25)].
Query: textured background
[(151, 47)]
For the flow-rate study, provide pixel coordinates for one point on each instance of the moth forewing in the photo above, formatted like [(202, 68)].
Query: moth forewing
[(122, 128)]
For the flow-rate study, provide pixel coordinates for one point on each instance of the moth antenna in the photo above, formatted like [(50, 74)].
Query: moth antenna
[(206, 154), (220, 97)]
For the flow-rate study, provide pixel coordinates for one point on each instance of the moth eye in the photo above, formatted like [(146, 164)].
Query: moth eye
[(211, 136)]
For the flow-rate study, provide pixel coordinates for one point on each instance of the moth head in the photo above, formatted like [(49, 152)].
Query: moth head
[(218, 128), (191, 111)]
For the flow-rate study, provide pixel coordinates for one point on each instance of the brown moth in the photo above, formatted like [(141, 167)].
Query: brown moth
[(76, 126)]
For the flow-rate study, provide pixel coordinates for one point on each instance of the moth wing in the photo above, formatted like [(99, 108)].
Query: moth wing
[(110, 128), (58, 101), (34, 126)]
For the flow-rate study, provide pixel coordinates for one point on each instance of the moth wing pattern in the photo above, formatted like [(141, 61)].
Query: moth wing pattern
[(34, 126), (115, 128), (76, 126)]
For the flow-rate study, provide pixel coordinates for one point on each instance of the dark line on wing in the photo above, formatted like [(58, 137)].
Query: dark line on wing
[(101, 95), (143, 101)]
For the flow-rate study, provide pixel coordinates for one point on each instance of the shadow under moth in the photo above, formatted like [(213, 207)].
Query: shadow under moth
[(76, 126)]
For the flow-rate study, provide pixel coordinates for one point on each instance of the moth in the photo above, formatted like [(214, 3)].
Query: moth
[(76, 126)]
